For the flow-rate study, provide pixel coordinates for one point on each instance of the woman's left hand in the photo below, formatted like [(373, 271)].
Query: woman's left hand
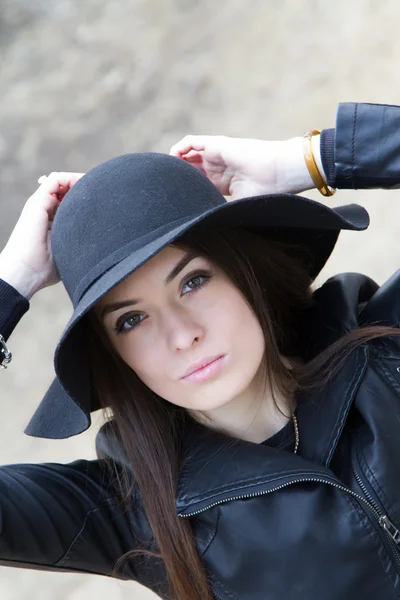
[(242, 167)]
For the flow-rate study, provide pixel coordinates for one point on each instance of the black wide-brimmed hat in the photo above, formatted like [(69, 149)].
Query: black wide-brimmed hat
[(123, 212)]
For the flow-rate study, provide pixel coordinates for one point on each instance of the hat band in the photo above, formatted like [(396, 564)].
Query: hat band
[(120, 254)]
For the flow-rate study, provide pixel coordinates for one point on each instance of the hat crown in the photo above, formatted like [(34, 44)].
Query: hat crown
[(109, 212)]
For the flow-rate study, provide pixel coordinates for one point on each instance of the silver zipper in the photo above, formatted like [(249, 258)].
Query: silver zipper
[(279, 487), (383, 520)]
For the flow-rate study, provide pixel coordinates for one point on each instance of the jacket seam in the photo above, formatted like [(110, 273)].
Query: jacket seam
[(395, 385), (353, 385), (380, 177), (381, 352), (368, 525), (384, 350), (47, 567), (230, 595), (364, 465), (63, 557), (214, 534)]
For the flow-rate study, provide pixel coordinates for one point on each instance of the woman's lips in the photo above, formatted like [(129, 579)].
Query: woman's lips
[(206, 372)]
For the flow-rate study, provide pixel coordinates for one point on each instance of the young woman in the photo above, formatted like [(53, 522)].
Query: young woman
[(252, 440)]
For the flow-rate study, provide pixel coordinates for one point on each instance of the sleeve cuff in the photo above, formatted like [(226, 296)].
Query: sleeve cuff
[(327, 148), (12, 308)]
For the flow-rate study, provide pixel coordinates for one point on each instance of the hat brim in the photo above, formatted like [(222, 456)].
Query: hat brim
[(65, 409)]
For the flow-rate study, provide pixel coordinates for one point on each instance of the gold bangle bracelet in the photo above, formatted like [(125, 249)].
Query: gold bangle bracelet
[(315, 174)]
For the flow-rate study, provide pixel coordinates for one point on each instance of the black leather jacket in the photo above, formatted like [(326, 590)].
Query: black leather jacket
[(268, 524)]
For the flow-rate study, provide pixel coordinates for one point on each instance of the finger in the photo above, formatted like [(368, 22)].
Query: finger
[(54, 187), (48, 195), (60, 179), (63, 189), (193, 156), (191, 142)]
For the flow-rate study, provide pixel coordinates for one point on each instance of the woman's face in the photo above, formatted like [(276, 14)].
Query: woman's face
[(171, 320)]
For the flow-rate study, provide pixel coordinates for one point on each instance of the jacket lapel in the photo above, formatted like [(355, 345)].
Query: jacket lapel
[(218, 467), (322, 415)]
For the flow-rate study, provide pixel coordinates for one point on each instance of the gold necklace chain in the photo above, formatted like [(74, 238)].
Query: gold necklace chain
[(296, 430)]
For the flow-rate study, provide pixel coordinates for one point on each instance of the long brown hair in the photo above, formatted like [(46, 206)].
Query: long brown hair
[(277, 287)]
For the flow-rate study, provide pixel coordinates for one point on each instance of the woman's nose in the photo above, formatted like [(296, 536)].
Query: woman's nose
[(183, 330)]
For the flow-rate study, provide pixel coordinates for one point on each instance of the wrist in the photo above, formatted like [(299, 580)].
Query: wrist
[(24, 282), (292, 175)]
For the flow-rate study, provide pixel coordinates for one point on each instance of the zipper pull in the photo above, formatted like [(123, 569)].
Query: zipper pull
[(390, 528)]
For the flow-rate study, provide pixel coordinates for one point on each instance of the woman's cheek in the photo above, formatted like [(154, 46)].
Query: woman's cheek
[(146, 363), (131, 354)]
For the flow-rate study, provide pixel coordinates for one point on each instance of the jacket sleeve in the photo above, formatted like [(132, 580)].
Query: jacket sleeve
[(12, 308), (62, 517), (364, 150)]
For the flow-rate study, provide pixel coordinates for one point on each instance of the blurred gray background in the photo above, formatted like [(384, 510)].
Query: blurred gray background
[(84, 81)]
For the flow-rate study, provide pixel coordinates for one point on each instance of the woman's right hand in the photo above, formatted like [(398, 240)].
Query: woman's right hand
[(26, 261), (241, 167)]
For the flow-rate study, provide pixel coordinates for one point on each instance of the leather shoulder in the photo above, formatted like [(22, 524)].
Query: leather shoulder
[(108, 446), (383, 308)]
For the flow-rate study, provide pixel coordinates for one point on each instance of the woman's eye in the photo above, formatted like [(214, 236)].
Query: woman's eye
[(196, 279), (196, 283), (130, 320)]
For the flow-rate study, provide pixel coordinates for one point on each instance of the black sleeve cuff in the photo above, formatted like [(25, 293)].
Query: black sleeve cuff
[(327, 148), (12, 308)]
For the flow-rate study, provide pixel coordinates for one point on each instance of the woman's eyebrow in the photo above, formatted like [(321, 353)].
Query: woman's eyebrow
[(185, 260)]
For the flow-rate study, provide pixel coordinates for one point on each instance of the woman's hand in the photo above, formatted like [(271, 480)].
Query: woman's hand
[(27, 262), (241, 167)]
